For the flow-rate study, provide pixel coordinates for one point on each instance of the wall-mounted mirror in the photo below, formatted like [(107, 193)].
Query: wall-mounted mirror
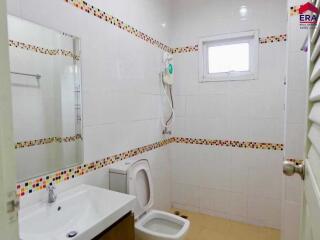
[(46, 97)]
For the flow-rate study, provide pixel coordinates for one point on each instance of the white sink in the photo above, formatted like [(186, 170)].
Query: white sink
[(85, 209)]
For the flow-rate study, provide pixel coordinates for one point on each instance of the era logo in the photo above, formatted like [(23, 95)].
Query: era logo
[(308, 19), (308, 15)]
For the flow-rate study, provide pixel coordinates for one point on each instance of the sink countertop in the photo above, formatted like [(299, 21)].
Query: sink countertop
[(86, 209)]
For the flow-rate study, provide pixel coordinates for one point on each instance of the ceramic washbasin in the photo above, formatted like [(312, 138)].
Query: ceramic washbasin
[(85, 209)]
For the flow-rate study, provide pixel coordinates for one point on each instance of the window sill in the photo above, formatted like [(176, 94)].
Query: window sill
[(210, 78)]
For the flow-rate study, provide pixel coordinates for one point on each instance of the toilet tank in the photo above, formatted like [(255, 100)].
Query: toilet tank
[(118, 176)]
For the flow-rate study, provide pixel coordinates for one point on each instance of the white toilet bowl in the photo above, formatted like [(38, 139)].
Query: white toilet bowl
[(158, 225), (134, 177)]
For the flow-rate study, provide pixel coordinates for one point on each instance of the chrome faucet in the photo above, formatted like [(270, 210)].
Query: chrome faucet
[(52, 196)]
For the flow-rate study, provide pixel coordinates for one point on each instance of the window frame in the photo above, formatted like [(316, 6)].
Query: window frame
[(250, 37)]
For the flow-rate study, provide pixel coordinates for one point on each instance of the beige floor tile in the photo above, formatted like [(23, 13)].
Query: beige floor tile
[(205, 227)]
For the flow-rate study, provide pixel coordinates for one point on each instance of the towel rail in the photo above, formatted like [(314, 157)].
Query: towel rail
[(37, 76)]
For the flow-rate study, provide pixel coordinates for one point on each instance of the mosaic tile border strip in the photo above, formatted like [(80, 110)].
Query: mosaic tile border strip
[(231, 143), (262, 40), (94, 11), (295, 161), (186, 49), (47, 51), (294, 10), (273, 39), (40, 183), (43, 141)]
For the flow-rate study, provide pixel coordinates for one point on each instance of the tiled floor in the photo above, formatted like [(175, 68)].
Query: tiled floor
[(204, 227)]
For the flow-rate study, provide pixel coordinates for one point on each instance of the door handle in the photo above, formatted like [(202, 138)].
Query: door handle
[(290, 168)]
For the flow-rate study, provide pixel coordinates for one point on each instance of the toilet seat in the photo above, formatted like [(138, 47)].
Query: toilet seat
[(140, 185), (150, 224), (161, 225)]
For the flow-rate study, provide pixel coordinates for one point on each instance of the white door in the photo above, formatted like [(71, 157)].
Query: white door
[(8, 197), (310, 217)]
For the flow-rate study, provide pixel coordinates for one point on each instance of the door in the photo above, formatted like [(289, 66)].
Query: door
[(8, 197), (310, 217)]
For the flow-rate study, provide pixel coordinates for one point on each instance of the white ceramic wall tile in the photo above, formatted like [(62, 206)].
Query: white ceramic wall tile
[(206, 198), (208, 106), (209, 128), (295, 141), (186, 169), (215, 167), (221, 201), (265, 211), (121, 94), (135, 14), (186, 74), (180, 106), (179, 127), (238, 128), (189, 24), (292, 221), (238, 206), (297, 71), (243, 110), (296, 107), (13, 7), (234, 110), (228, 181), (293, 189), (266, 130)]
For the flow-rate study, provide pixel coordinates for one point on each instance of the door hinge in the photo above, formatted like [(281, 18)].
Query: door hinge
[(13, 205)]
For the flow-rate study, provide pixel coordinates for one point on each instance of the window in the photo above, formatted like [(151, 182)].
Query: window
[(229, 57)]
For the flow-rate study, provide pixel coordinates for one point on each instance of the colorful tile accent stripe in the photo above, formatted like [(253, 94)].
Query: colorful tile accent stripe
[(94, 11), (263, 40), (42, 141), (295, 161), (230, 143), (40, 183), (186, 49), (294, 10), (37, 49), (273, 39)]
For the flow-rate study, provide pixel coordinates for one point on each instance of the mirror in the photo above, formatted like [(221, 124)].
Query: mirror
[(46, 98)]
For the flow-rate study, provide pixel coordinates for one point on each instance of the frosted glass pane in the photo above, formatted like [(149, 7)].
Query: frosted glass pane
[(226, 58)]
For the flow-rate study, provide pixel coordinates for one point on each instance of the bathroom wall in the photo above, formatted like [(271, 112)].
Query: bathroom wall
[(237, 180), (120, 84), (295, 122), (226, 178)]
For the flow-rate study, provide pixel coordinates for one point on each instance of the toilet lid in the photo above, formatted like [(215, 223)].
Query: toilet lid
[(140, 185)]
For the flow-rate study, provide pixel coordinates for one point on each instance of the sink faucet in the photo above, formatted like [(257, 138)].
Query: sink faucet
[(52, 196)]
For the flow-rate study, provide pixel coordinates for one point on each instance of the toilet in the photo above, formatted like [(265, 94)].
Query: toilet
[(134, 177)]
